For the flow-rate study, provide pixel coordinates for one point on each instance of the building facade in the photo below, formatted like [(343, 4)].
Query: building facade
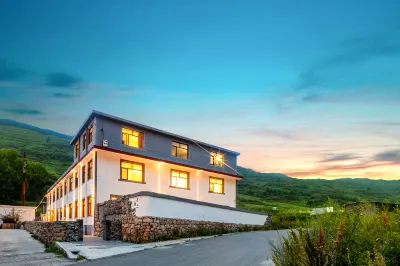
[(115, 157)]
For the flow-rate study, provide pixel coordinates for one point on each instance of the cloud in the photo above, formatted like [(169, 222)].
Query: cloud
[(352, 52), (339, 157), (275, 133), (62, 95), (22, 111), (9, 73), (62, 80), (390, 155)]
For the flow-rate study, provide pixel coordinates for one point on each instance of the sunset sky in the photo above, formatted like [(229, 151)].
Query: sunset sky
[(306, 88)]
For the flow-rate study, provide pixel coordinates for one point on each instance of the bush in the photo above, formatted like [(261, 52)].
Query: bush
[(11, 217), (340, 238)]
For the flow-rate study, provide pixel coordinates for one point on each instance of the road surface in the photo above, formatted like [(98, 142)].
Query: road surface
[(252, 248)]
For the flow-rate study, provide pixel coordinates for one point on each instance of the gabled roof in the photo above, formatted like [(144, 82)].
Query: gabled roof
[(135, 124)]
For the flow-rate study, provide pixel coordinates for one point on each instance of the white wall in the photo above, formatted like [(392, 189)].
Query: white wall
[(152, 206), (27, 213), (157, 179)]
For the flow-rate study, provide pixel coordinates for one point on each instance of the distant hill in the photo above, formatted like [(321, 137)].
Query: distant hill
[(261, 190), (46, 146), (258, 191)]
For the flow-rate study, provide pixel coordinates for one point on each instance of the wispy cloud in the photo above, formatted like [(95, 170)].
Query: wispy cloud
[(266, 132), (390, 155), (62, 80), (22, 111), (63, 95), (339, 157), (350, 53), (9, 72)]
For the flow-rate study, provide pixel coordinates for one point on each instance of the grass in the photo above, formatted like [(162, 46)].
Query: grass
[(341, 238), (53, 248)]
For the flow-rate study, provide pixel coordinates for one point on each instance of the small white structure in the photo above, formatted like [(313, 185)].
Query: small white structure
[(317, 211), (26, 213)]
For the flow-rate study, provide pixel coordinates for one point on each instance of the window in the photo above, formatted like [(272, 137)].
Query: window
[(216, 185), (83, 173), (61, 213), (179, 179), (90, 134), (180, 150), (132, 138), (58, 193), (70, 210), (76, 209), (84, 141), (217, 159), (90, 172), (114, 197), (132, 171), (77, 149), (65, 211), (71, 183), (65, 187), (76, 179), (89, 206), (83, 207), (54, 195)]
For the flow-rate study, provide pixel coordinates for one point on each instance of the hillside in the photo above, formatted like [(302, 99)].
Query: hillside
[(258, 191), (41, 145)]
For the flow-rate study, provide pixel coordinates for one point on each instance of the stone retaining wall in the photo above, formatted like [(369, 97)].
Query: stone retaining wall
[(112, 210), (50, 232), (150, 229)]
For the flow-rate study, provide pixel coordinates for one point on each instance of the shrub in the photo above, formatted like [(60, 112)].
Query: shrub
[(11, 217), (341, 238)]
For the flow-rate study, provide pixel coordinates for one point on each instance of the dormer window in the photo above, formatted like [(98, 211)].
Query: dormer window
[(180, 150), (84, 141), (217, 159), (90, 134), (132, 138)]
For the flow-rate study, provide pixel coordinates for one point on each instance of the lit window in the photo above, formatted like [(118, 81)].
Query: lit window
[(70, 210), (61, 213), (61, 190), (179, 179), (77, 149), (217, 159), (71, 187), (216, 185), (65, 187), (90, 168), (76, 209), (114, 197), (83, 207), (65, 212), (90, 134), (83, 174), (89, 206), (179, 150), (132, 138), (132, 171), (84, 141), (76, 179)]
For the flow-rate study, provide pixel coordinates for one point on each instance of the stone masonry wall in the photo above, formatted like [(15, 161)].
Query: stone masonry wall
[(151, 229), (112, 210), (49, 232)]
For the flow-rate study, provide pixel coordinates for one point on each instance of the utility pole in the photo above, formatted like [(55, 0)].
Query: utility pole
[(24, 181)]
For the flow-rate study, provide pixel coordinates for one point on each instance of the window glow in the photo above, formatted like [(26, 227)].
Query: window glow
[(216, 185), (179, 179), (217, 159), (132, 138), (132, 171), (180, 150)]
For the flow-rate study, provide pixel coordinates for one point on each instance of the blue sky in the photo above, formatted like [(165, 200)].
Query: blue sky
[(307, 88)]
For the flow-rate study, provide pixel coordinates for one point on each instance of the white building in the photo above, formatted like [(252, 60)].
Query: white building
[(115, 157)]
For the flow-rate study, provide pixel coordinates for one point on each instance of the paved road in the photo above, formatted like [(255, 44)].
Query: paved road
[(252, 249), (17, 247)]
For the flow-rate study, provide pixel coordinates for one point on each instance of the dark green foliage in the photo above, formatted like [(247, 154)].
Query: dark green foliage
[(52, 248), (38, 178), (49, 148), (341, 238)]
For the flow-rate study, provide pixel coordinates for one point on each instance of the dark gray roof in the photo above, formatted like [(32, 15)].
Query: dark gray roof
[(128, 122)]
